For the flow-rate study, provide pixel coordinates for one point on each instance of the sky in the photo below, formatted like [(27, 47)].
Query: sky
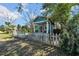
[(13, 7), (31, 7)]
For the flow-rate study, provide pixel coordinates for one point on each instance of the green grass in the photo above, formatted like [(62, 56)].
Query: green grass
[(4, 36)]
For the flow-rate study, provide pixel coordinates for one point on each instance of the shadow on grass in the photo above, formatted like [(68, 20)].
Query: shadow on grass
[(13, 47), (23, 47), (7, 37)]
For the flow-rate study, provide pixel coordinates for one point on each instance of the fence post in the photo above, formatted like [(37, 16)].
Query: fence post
[(49, 39), (52, 39), (56, 39), (59, 39)]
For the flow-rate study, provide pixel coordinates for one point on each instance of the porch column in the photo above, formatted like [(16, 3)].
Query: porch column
[(47, 27)]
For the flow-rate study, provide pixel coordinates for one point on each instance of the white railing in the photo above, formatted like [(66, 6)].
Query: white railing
[(53, 39), (46, 38)]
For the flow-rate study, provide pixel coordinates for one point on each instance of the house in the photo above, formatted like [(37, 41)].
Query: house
[(45, 31), (43, 25)]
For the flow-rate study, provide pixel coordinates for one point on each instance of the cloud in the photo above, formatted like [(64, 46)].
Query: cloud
[(7, 14), (14, 15)]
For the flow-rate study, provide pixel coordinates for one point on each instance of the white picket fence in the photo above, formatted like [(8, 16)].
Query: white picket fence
[(53, 39)]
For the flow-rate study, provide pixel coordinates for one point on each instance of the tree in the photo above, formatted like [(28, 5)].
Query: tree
[(9, 27), (61, 13), (27, 15), (74, 31), (2, 28), (18, 27), (8, 16)]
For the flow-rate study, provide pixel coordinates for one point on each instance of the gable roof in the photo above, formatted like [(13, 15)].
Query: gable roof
[(40, 19)]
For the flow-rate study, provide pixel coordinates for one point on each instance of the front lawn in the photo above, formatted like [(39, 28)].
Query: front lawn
[(4, 36)]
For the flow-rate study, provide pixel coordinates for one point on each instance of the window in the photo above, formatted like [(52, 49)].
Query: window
[(41, 27)]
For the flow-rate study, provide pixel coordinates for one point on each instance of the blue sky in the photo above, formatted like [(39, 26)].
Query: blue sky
[(32, 7), (12, 7)]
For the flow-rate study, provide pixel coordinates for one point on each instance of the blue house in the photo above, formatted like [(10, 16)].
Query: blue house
[(43, 25), (46, 31)]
